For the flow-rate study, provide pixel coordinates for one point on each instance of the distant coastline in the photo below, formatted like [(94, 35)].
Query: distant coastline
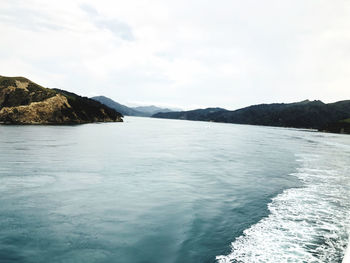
[(25, 102), (332, 117)]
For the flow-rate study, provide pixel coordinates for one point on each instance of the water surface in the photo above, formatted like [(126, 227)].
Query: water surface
[(150, 190)]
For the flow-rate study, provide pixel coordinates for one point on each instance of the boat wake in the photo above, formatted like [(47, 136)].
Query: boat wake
[(306, 224)]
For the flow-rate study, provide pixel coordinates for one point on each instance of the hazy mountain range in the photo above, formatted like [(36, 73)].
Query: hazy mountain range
[(142, 111)]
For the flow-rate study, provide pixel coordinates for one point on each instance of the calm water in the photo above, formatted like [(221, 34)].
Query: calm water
[(149, 190)]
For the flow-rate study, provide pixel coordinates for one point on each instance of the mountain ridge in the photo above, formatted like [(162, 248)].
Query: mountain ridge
[(304, 114), (125, 110), (152, 109), (140, 111)]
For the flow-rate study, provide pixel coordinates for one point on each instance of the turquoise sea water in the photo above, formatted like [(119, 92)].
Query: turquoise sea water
[(150, 190)]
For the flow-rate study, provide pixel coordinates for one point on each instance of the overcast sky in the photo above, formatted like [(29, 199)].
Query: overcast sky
[(181, 53)]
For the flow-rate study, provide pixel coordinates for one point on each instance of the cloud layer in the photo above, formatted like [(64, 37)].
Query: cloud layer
[(193, 53)]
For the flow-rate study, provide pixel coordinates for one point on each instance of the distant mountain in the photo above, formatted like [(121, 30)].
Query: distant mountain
[(125, 110), (141, 111), (25, 102), (304, 114), (151, 110)]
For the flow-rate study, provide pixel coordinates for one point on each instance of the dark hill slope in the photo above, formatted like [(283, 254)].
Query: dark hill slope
[(342, 126), (208, 114), (25, 102), (305, 114)]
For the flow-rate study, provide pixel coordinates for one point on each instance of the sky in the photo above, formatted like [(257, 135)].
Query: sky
[(185, 53)]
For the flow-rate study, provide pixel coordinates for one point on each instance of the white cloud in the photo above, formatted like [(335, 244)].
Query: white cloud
[(196, 52)]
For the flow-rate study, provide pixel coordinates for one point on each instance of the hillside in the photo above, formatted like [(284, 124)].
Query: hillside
[(25, 102), (208, 114), (342, 126), (305, 114), (125, 110)]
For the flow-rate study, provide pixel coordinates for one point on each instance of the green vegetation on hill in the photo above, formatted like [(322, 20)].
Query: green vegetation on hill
[(342, 126), (345, 121), (208, 114), (305, 114), (88, 110)]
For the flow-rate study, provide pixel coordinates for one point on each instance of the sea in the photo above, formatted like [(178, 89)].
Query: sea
[(172, 191)]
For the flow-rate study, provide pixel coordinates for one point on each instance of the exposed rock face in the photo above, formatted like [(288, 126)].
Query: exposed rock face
[(24, 102)]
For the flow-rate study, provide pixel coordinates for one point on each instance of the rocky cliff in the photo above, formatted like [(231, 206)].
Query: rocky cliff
[(25, 102)]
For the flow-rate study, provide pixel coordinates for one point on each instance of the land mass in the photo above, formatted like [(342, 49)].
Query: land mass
[(342, 126), (305, 114), (25, 102), (141, 111), (125, 110), (151, 110)]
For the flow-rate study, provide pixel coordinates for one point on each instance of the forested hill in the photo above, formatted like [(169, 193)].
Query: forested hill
[(304, 114)]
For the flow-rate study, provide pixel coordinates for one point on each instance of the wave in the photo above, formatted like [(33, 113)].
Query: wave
[(306, 224)]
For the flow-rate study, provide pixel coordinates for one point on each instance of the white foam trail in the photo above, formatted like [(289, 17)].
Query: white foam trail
[(307, 224)]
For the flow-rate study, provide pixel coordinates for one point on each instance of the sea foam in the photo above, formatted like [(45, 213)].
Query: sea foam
[(306, 224)]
